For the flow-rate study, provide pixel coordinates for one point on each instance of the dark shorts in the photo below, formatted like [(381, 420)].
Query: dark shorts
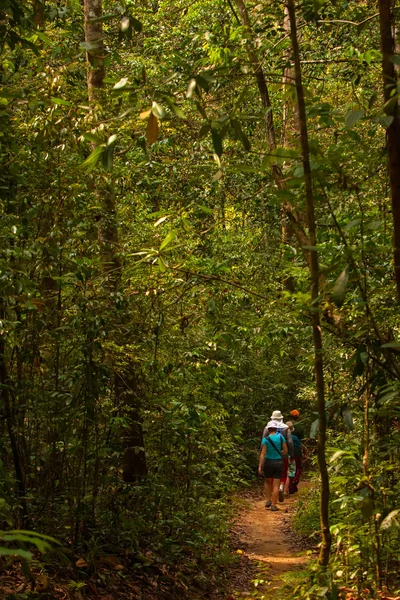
[(273, 468)]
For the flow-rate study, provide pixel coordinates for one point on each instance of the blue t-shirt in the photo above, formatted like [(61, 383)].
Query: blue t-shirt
[(278, 440)]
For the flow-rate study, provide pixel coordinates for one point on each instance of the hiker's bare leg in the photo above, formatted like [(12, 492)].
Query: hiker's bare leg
[(275, 491), (268, 488)]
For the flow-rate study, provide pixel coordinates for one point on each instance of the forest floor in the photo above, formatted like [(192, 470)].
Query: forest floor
[(269, 544), (263, 544)]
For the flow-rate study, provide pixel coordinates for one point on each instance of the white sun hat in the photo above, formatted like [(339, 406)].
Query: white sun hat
[(272, 425), (277, 416)]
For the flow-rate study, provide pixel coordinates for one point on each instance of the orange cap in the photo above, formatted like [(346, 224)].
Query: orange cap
[(295, 413)]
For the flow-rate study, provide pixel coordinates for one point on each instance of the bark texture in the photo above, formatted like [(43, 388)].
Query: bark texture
[(386, 21), (93, 10)]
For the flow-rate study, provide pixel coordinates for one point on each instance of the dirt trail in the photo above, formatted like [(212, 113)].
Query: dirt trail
[(265, 537)]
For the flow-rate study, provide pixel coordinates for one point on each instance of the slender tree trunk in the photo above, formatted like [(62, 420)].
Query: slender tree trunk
[(386, 20), (134, 461), (315, 314), (93, 10), (295, 219), (10, 420)]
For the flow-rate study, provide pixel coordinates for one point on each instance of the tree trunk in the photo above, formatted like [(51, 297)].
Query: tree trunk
[(93, 9), (134, 463), (10, 420), (386, 21), (315, 315), (295, 220)]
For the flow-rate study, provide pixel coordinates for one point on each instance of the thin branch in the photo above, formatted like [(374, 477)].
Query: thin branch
[(350, 22)]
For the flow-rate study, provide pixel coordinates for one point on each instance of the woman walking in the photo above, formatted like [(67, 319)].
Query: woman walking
[(271, 463)]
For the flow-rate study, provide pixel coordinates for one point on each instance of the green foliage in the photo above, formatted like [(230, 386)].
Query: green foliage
[(151, 313)]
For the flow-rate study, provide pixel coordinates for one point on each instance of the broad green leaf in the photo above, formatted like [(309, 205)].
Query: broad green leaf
[(205, 209), (16, 552), (340, 288), (161, 264), (157, 110), (217, 175), (161, 220), (191, 88), (352, 117), (217, 141), (391, 345), (92, 137), (107, 157), (336, 455), (395, 59), (168, 239), (121, 83), (61, 102), (391, 520), (93, 158), (152, 129), (204, 130), (136, 24), (241, 135), (314, 429), (385, 120)]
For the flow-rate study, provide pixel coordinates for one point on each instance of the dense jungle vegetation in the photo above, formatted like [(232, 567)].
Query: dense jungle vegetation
[(200, 223)]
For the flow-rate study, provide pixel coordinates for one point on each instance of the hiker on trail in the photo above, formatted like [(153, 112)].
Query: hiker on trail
[(298, 431), (283, 429), (271, 463), (298, 427), (291, 484)]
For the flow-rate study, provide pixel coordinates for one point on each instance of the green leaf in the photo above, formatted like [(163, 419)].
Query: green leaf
[(391, 520), (340, 288), (121, 83), (391, 345), (241, 135), (157, 110), (336, 455), (136, 24), (168, 239), (16, 552), (161, 264), (107, 157), (92, 137), (93, 158), (395, 59), (352, 117), (205, 209), (204, 129), (60, 101), (191, 88), (385, 120), (217, 141), (314, 429)]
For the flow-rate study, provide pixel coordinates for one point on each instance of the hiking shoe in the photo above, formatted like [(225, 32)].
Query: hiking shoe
[(274, 508), (280, 496), (268, 504)]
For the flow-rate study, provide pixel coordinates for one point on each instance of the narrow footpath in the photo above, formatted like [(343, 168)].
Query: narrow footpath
[(265, 538)]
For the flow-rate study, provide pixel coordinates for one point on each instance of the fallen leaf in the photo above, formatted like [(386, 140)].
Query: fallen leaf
[(81, 562), (152, 129)]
